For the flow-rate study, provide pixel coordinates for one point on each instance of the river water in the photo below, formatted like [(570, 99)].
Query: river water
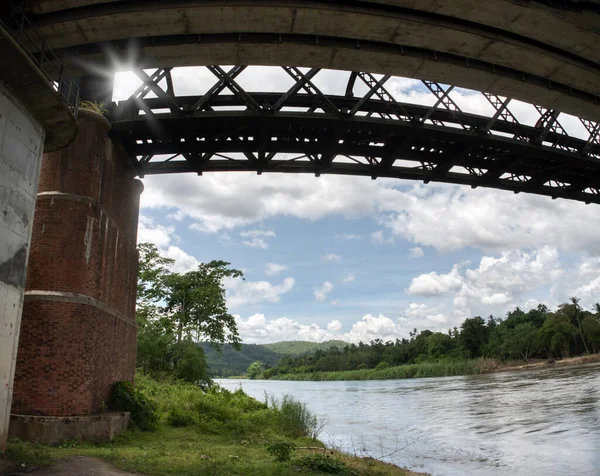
[(545, 422)]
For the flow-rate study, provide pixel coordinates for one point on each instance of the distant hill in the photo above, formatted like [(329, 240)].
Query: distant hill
[(231, 362), (298, 347)]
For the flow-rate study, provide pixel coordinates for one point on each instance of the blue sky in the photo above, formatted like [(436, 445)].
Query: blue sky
[(356, 259)]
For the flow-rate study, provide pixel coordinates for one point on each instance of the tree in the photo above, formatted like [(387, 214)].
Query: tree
[(520, 340), (196, 303), (473, 336), (175, 310), (591, 329), (556, 334), (255, 369)]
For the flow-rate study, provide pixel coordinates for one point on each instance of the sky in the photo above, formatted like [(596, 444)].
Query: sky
[(356, 259)]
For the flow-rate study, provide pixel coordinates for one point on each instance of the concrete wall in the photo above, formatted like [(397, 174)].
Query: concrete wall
[(21, 146), (78, 332)]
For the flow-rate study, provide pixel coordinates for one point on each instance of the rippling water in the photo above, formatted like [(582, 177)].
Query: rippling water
[(531, 423)]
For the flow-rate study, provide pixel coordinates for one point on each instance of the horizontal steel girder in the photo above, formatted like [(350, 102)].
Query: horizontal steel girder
[(305, 131)]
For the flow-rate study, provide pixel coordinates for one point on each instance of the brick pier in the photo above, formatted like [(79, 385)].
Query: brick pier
[(78, 333)]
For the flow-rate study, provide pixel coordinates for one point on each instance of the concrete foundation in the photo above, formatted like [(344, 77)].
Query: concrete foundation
[(54, 430), (21, 146)]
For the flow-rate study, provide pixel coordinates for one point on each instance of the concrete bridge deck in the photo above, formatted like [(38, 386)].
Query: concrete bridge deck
[(528, 50)]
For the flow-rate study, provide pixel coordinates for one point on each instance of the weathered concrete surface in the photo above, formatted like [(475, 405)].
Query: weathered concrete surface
[(20, 75), (77, 466), (21, 145), (544, 46), (54, 430)]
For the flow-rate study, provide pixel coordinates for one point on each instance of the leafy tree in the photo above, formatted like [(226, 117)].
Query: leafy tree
[(255, 369), (520, 340), (591, 330), (196, 303), (175, 310), (556, 334), (473, 336), (438, 345)]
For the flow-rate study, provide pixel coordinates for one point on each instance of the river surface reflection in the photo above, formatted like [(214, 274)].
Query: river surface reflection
[(511, 423)]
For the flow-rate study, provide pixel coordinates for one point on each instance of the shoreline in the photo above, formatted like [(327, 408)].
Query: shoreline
[(439, 369)]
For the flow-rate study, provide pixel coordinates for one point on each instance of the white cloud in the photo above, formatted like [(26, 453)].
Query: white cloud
[(378, 238), (240, 292), (257, 233), (416, 252), (256, 243), (257, 329), (348, 278), (331, 257), (271, 269), (162, 237), (322, 291), (497, 284), (434, 284), (348, 237)]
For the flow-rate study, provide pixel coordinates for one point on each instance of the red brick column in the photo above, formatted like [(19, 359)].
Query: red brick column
[(78, 333)]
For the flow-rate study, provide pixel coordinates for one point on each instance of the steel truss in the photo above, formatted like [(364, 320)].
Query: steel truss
[(304, 130)]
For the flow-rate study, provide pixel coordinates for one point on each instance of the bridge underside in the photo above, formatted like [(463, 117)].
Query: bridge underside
[(303, 130), (539, 52)]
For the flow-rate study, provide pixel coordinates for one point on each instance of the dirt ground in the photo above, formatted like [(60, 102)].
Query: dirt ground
[(78, 466)]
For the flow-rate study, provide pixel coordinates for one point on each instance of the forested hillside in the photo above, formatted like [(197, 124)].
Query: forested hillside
[(299, 347), (232, 362), (538, 333)]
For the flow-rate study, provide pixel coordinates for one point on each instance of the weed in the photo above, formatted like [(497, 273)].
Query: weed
[(143, 412), (281, 451)]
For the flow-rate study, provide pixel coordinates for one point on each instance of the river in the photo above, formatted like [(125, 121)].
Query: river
[(544, 422)]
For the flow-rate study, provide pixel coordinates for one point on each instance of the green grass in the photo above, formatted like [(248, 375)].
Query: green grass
[(426, 369), (217, 432)]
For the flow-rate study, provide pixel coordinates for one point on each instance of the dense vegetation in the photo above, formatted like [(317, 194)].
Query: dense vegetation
[(213, 432), (231, 362), (175, 311), (538, 333), (299, 347)]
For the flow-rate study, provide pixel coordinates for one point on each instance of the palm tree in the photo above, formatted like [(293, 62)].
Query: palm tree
[(596, 307), (577, 308)]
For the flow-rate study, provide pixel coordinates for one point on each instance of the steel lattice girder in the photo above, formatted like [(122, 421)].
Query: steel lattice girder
[(351, 136)]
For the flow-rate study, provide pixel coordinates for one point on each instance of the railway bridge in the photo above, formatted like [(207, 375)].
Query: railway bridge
[(68, 274)]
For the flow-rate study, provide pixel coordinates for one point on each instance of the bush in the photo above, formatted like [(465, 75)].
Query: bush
[(26, 453), (125, 397), (182, 417), (382, 366), (323, 463), (281, 451), (296, 419)]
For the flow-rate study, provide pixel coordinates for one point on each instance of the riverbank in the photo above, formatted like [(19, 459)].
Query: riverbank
[(450, 368), (218, 433)]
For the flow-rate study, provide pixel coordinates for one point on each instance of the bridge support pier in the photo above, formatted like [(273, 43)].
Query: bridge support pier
[(78, 331), (21, 146)]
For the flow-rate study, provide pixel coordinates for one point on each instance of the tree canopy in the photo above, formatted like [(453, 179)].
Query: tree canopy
[(176, 310)]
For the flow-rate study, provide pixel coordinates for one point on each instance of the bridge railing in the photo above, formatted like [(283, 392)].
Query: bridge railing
[(32, 43)]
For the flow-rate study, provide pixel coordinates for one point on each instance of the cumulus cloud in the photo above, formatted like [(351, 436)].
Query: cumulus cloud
[(331, 257), (271, 269), (321, 292), (497, 283), (240, 292), (348, 278), (163, 237), (256, 238), (348, 237), (378, 238), (416, 252), (257, 329)]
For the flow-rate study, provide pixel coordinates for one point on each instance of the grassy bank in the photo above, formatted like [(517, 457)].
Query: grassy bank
[(428, 369), (213, 433), (439, 369)]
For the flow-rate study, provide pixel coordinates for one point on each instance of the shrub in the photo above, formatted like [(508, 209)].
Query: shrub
[(182, 417), (323, 463), (143, 412), (26, 453), (382, 366), (281, 451), (296, 419)]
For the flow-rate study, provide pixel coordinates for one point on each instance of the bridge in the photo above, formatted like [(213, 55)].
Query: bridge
[(72, 321)]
